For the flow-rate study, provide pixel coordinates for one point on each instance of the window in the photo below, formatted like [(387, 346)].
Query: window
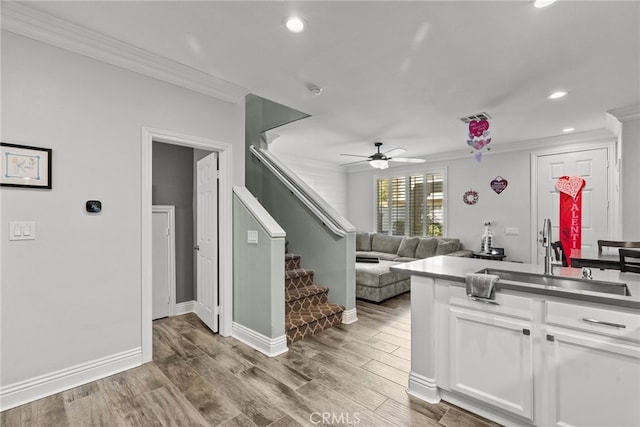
[(411, 205)]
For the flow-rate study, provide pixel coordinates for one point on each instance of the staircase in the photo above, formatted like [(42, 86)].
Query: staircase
[(307, 309)]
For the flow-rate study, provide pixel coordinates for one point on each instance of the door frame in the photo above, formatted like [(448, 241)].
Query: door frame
[(170, 210), (225, 221), (612, 178)]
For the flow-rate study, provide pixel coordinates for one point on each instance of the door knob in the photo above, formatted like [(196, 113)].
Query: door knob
[(196, 247)]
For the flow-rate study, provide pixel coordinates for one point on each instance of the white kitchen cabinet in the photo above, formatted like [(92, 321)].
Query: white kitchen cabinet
[(593, 376), (491, 359)]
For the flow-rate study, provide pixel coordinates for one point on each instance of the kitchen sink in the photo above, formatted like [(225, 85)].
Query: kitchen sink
[(560, 282)]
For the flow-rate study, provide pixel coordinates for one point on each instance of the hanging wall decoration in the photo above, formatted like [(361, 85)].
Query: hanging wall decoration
[(479, 137), (498, 184), (570, 188), (470, 197)]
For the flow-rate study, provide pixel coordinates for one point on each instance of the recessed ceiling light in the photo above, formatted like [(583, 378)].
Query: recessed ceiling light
[(295, 24), (557, 95), (543, 3), (566, 130)]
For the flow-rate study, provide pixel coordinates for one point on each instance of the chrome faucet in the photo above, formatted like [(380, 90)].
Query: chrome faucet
[(546, 243)]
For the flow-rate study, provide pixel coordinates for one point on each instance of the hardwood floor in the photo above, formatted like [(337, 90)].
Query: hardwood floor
[(349, 375)]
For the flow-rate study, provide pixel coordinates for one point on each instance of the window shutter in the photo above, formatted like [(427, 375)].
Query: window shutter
[(416, 205), (382, 205), (434, 204), (398, 206)]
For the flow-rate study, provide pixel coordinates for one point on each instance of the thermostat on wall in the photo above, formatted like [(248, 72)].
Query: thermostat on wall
[(94, 206)]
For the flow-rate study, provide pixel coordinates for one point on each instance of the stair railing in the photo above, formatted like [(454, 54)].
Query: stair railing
[(329, 217)]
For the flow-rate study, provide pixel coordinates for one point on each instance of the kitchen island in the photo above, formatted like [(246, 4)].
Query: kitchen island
[(563, 351)]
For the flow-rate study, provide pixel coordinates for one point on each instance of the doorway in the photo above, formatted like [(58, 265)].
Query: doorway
[(592, 164), (223, 257)]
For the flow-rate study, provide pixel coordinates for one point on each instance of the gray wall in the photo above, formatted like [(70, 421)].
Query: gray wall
[(258, 276), (173, 185)]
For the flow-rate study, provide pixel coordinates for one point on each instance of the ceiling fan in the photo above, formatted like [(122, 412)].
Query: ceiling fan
[(380, 160)]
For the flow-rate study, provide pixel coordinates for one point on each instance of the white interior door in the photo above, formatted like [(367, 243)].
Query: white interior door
[(207, 241), (592, 165), (163, 260)]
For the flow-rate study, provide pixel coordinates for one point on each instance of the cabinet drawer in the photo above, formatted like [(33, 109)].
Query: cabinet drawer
[(604, 321), (507, 304)]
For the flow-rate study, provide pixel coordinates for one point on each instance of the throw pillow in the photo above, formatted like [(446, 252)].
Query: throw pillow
[(363, 242), (427, 247), (446, 247), (408, 247)]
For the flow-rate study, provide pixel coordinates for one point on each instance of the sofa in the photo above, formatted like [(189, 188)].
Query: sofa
[(374, 281)]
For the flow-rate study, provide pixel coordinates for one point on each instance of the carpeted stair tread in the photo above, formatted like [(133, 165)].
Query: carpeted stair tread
[(307, 291), (291, 261), (316, 313), (298, 278)]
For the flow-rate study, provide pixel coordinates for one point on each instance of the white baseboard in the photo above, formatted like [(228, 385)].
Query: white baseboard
[(423, 388), (350, 316), (32, 389), (185, 307), (269, 346)]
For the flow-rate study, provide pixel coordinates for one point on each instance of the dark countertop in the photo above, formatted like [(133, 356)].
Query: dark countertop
[(456, 268)]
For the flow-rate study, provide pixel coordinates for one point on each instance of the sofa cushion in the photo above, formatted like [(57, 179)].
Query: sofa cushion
[(426, 247), (363, 241), (384, 243), (446, 247), (377, 275), (374, 254), (408, 247), (404, 259), (451, 239)]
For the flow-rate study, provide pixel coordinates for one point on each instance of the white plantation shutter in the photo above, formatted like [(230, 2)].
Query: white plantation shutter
[(411, 205)]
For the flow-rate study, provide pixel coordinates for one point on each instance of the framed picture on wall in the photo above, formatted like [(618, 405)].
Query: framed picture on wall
[(24, 166)]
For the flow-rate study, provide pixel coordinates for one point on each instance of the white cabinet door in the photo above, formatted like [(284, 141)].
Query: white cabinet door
[(593, 380), (491, 360)]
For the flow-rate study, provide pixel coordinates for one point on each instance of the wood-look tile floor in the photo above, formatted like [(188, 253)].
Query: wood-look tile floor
[(349, 375)]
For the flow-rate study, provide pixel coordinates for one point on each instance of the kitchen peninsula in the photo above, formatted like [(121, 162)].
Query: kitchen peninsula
[(547, 350)]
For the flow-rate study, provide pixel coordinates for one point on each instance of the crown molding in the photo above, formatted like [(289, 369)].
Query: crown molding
[(29, 22), (631, 112), (572, 139)]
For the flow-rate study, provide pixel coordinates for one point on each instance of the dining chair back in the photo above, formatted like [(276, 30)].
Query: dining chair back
[(629, 260), (616, 244)]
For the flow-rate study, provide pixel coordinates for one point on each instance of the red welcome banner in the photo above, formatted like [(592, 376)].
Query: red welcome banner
[(570, 213)]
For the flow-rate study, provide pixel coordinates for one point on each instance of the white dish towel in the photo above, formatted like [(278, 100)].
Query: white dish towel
[(481, 285)]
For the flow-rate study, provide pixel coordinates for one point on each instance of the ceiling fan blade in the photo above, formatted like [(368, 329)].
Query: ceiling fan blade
[(406, 160), (355, 155), (395, 152), (354, 163)]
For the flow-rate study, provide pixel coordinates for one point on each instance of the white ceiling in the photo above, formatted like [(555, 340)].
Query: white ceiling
[(398, 72)]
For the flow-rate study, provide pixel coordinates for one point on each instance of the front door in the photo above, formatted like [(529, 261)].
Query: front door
[(207, 241), (590, 164)]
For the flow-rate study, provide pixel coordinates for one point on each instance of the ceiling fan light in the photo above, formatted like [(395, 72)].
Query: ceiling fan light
[(379, 164)]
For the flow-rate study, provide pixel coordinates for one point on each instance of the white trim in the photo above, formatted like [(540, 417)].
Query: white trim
[(171, 213), (32, 389), (435, 159), (270, 226), (38, 25), (185, 307), (225, 219), (350, 316), (265, 345), (608, 142), (423, 388), (631, 112), (329, 217)]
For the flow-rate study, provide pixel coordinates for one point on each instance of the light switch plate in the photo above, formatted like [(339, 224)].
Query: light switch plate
[(512, 231), (23, 230), (252, 237)]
